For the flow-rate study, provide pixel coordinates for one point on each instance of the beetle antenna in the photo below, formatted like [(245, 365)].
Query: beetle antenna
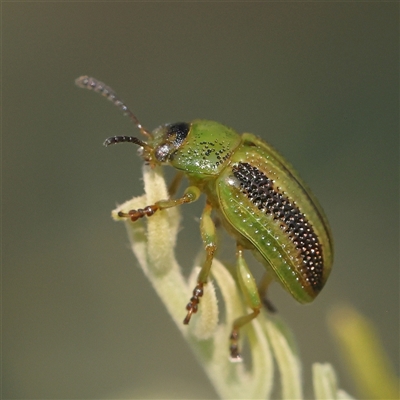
[(87, 82), (124, 139)]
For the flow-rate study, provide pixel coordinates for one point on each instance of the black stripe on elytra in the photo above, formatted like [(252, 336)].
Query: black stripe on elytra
[(260, 190)]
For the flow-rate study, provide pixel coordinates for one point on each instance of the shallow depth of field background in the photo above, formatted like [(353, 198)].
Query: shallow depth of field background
[(319, 81)]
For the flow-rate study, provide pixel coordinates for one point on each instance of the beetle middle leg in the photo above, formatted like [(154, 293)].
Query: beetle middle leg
[(208, 234), (191, 194), (252, 298)]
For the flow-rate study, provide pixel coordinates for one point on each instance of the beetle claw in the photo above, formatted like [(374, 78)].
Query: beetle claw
[(188, 316)]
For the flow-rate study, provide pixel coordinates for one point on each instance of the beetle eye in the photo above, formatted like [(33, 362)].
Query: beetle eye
[(178, 132), (173, 135)]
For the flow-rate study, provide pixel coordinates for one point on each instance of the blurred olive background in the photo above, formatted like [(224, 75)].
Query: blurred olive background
[(319, 81)]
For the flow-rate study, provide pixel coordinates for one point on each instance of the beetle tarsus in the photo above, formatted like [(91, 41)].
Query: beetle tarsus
[(192, 306), (134, 215), (234, 347)]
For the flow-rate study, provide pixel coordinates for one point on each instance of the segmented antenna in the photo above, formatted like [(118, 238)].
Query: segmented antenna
[(123, 139), (87, 82)]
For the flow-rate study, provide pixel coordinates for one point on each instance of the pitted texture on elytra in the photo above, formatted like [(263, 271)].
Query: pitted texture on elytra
[(262, 193)]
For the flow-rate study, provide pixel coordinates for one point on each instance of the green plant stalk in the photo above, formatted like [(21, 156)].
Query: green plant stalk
[(364, 355)]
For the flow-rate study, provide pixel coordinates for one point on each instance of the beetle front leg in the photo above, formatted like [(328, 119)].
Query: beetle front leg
[(174, 185), (208, 234), (191, 194), (250, 291)]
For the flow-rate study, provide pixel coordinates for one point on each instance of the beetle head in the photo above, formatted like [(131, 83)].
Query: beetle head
[(160, 145), (164, 142)]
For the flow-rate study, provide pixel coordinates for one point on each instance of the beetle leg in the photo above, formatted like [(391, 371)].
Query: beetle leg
[(191, 194), (262, 290), (208, 234), (249, 289), (174, 185)]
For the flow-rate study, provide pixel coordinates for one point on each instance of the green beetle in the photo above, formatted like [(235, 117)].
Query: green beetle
[(260, 199)]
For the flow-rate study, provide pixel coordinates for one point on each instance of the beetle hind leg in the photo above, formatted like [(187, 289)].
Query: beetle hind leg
[(252, 298), (263, 289)]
